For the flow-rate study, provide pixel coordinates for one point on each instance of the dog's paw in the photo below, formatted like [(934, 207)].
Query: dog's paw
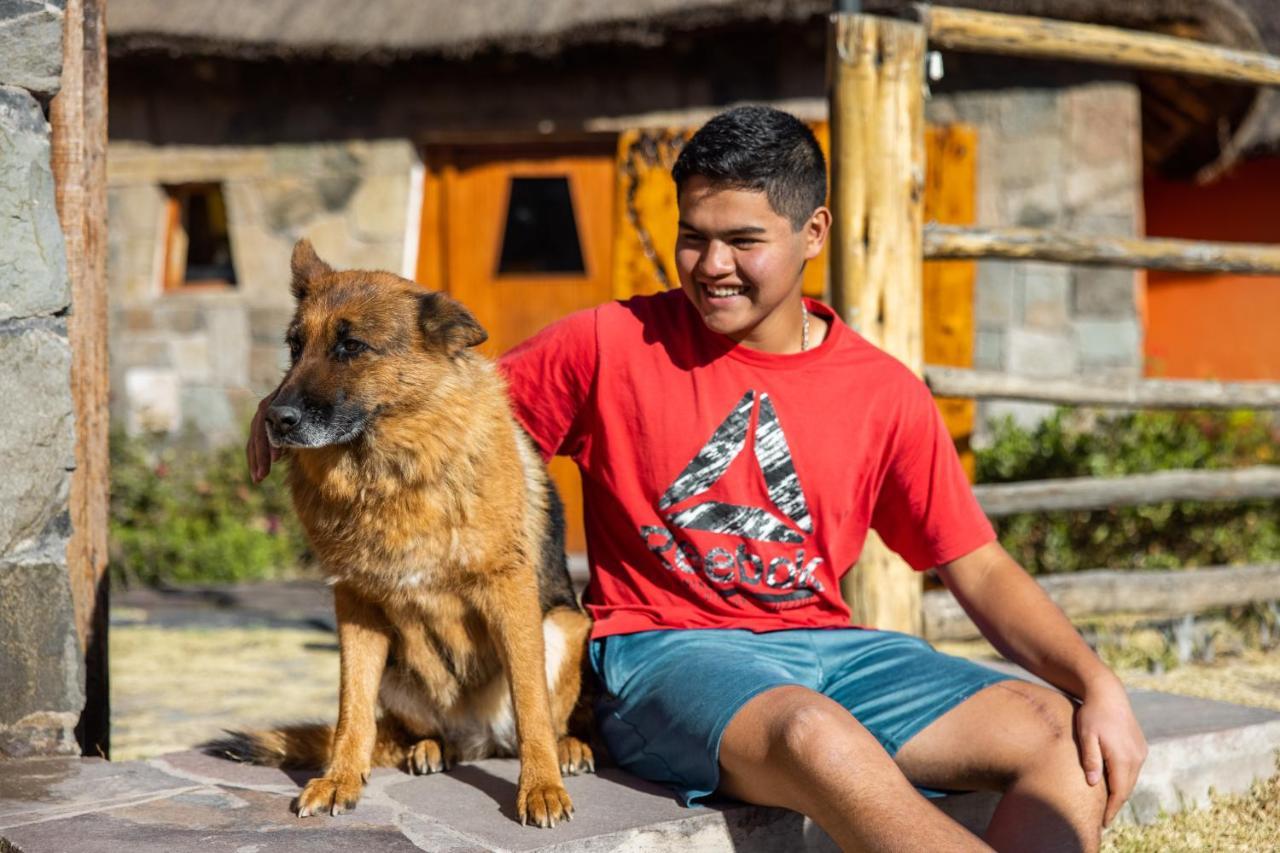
[(431, 755), (333, 795), (543, 804), (575, 756)]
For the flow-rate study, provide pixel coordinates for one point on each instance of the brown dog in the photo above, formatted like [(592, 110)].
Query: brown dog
[(434, 517)]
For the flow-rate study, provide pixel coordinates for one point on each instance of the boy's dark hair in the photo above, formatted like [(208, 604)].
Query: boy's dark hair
[(763, 149)]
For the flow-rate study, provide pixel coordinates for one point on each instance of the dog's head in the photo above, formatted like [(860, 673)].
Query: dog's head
[(362, 344)]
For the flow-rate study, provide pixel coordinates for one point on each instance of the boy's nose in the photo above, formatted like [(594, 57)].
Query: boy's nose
[(717, 259)]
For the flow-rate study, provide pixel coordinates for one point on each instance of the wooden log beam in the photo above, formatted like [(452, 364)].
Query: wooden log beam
[(1103, 591), (1017, 35), (876, 75), (945, 242), (1088, 493), (78, 117), (954, 382)]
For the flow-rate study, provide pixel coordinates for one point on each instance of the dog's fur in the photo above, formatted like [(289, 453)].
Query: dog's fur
[(433, 515)]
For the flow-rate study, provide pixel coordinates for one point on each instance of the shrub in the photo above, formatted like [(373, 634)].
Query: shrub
[(1082, 443), (184, 514)]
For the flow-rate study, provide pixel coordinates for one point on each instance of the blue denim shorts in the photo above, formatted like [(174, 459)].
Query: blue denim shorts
[(668, 695)]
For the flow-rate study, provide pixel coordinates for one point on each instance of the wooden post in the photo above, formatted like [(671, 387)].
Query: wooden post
[(78, 115), (876, 88)]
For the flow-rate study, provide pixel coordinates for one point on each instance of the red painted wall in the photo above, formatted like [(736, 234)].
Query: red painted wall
[(1210, 326)]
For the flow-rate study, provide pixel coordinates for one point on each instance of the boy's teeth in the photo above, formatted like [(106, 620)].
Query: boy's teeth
[(726, 291)]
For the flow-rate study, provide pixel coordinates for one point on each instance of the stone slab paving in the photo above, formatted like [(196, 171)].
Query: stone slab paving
[(190, 801)]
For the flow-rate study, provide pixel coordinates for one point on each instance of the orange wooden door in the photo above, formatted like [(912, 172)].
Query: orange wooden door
[(522, 235)]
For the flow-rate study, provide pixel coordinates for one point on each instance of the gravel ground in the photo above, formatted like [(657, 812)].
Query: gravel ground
[(174, 686)]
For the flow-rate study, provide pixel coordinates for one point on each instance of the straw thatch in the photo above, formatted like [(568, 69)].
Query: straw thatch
[(378, 31)]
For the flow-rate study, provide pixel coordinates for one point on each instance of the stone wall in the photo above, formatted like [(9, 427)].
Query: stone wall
[(41, 672), (1068, 158), (199, 360)]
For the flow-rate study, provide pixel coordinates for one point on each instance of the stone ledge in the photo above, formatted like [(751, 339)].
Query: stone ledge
[(186, 800)]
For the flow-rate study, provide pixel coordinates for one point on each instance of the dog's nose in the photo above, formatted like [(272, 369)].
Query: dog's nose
[(283, 418)]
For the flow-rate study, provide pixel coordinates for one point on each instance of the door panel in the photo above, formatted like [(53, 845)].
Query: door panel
[(522, 235)]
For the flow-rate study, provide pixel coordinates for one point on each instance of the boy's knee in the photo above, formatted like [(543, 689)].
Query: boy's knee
[(804, 731), (1045, 738), (814, 730)]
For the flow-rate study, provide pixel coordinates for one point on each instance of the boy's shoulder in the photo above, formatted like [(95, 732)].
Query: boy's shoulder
[(646, 307)]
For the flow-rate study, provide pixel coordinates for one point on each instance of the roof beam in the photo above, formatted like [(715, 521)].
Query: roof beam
[(1018, 35)]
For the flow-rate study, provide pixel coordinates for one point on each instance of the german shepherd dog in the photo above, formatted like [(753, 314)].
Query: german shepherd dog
[(443, 537)]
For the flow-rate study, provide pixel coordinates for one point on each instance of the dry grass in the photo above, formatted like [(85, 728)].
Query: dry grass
[(1248, 823), (172, 688)]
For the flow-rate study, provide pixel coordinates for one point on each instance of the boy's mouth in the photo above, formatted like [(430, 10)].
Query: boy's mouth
[(724, 291)]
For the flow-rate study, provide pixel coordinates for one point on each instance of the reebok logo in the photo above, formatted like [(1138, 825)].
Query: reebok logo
[(783, 579), (774, 458)]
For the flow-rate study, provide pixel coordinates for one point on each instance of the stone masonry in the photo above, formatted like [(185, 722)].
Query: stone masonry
[(198, 361), (41, 675), (1067, 158)]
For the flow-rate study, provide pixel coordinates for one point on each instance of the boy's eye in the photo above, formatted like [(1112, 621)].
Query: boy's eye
[(744, 242)]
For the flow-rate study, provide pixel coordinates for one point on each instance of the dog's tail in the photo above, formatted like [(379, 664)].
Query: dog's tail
[(303, 746)]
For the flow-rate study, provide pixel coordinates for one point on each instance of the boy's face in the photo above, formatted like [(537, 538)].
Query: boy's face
[(740, 262)]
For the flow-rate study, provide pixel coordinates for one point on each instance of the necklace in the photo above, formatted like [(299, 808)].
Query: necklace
[(804, 329)]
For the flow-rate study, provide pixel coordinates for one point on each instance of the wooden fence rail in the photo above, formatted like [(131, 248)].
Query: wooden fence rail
[(949, 242), (1102, 591), (1139, 394), (966, 29), (1080, 493), (875, 66)]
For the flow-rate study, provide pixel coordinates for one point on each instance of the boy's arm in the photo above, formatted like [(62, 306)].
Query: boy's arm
[(1023, 623)]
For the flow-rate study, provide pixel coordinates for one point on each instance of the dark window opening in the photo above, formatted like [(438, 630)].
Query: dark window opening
[(198, 250), (541, 232)]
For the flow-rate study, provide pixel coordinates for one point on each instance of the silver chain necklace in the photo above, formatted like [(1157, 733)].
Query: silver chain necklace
[(804, 329)]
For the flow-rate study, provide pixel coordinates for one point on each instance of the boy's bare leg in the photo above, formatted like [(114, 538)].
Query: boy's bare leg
[(1017, 738), (795, 748)]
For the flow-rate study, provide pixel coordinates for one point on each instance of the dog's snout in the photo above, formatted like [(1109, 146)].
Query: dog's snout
[(284, 418)]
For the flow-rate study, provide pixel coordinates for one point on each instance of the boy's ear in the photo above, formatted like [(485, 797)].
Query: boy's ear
[(447, 324), (307, 267)]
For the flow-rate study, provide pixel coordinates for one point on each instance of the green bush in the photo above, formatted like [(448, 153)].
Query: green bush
[(1082, 443), (184, 514)]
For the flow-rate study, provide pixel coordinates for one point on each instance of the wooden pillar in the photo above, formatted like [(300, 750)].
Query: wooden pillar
[(876, 89), (78, 115)]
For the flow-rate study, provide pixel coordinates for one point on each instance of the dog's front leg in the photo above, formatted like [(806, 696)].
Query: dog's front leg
[(514, 611), (364, 636)]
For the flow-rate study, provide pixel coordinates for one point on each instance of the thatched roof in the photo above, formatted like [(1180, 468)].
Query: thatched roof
[(375, 31), (378, 29)]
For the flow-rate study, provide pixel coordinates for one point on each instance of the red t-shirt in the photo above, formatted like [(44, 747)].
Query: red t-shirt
[(729, 488)]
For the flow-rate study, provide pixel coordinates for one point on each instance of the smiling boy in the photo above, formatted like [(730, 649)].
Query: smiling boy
[(736, 442)]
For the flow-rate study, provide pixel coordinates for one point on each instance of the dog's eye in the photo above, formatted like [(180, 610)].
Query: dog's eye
[(350, 347), (295, 348)]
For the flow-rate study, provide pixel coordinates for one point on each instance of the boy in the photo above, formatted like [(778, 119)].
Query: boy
[(736, 441)]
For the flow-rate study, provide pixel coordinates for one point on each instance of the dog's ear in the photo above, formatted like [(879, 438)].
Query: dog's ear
[(307, 267), (447, 324)]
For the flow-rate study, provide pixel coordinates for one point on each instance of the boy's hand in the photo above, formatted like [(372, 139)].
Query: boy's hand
[(259, 450), (1111, 742)]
